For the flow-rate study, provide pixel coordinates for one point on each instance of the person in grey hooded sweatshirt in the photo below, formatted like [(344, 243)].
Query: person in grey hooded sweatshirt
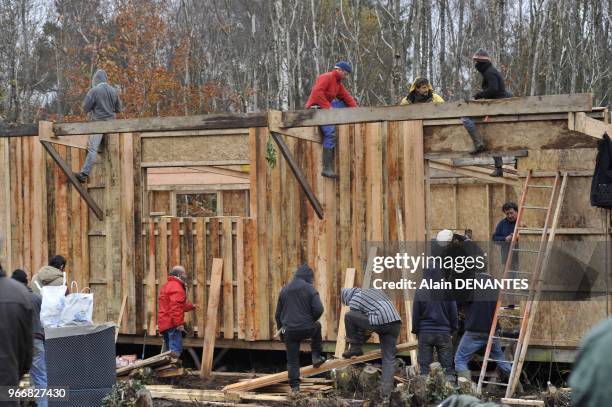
[(297, 312), (101, 103)]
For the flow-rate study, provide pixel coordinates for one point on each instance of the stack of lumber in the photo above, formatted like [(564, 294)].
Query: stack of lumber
[(307, 371), (163, 361)]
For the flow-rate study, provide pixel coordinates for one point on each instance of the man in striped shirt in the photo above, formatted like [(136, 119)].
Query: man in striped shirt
[(372, 310)]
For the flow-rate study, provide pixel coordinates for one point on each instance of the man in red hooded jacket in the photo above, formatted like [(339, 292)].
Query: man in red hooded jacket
[(329, 93), (173, 304)]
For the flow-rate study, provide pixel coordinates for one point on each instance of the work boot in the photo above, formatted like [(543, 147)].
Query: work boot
[(318, 360), (81, 177), (354, 349), (498, 172), (476, 139), (328, 163), (502, 377), (465, 374)]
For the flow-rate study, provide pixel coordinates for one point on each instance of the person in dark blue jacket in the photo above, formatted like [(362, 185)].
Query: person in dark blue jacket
[(505, 227), (503, 234), (434, 318), (297, 312)]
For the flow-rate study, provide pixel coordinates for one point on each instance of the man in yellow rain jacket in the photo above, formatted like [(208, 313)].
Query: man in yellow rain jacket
[(421, 92)]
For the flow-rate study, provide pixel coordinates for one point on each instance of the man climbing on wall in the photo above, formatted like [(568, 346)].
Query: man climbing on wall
[(421, 91), (101, 103), (297, 312), (173, 304), (371, 310), (493, 87), (329, 93)]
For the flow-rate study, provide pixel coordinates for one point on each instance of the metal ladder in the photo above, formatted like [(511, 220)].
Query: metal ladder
[(532, 298)]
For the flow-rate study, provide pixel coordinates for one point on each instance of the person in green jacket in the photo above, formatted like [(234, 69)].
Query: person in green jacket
[(421, 91)]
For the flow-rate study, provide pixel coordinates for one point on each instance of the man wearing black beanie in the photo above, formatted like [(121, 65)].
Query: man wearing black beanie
[(38, 371)]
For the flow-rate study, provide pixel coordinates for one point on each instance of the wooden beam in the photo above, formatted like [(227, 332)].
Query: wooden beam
[(68, 172), (77, 141), (485, 155), (192, 133), (225, 171), (199, 187), (512, 118), (582, 123), (522, 402), (311, 371), (297, 172), (467, 162), (349, 282), (161, 164), (275, 124), (475, 173), (579, 102), (405, 294), (200, 122), (18, 130), (211, 318)]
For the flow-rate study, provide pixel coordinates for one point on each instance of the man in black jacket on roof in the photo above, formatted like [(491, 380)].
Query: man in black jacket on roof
[(493, 87), (297, 312)]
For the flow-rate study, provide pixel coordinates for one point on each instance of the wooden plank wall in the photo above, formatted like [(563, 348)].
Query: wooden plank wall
[(360, 206), (193, 243), (23, 206), (47, 217)]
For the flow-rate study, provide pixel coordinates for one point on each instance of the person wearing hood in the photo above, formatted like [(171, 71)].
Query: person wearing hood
[(493, 87), (421, 91), (16, 342), (329, 93), (101, 103), (297, 312), (434, 319), (38, 370), (52, 274), (171, 310), (372, 310)]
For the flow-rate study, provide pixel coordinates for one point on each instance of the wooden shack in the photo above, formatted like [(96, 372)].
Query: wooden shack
[(412, 160)]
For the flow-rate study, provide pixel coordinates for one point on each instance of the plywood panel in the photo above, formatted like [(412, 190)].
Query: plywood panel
[(210, 148)]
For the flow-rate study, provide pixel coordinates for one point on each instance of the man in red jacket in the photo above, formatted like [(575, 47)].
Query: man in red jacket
[(173, 304), (329, 93)]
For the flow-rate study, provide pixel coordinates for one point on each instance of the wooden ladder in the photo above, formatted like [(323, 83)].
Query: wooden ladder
[(527, 318)]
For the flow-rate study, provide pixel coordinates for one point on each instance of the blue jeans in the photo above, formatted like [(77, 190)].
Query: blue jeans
[(329, 131), (472, 342), (38, 370), (92, 151), (173, 338)]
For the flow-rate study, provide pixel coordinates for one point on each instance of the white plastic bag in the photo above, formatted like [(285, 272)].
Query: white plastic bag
[(78, 308), (53, 300)]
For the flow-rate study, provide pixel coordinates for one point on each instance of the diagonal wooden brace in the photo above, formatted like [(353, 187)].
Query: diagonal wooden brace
[(316, 205), (68, 172)]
